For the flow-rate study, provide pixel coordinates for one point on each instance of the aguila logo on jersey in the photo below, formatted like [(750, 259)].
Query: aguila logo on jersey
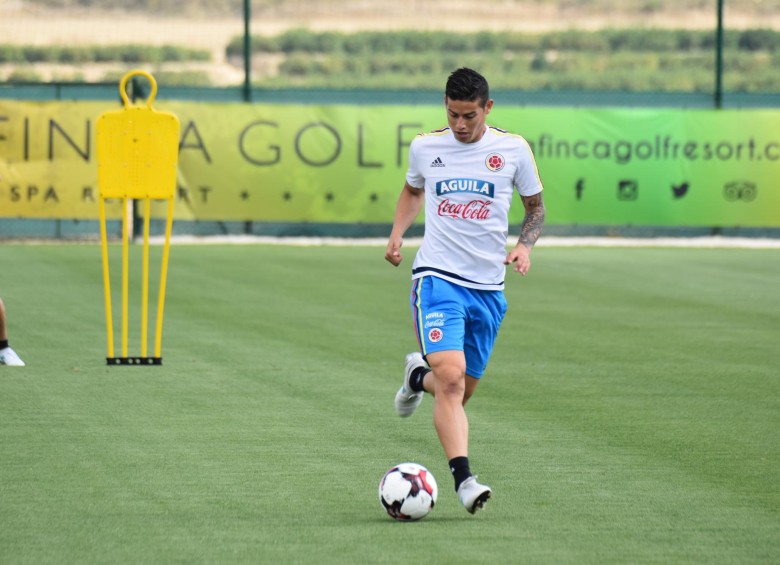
[(495, 162), (477, 186)]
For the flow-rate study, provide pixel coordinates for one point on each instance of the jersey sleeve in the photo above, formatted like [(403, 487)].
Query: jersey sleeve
[(527, 179), (414, 176)]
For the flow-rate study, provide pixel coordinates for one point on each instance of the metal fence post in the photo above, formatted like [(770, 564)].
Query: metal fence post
[(719, 58), (247, 51)]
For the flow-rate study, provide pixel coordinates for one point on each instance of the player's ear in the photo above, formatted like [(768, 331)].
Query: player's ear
[(489, 106)]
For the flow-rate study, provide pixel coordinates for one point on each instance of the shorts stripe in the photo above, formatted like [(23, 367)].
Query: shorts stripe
[(417, 313)]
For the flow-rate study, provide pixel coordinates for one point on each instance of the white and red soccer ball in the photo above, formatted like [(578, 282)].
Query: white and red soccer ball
[(408, 492)]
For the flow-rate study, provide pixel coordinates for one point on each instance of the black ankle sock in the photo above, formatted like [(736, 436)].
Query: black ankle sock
[(460, 470), (416, 380), (3, 343)]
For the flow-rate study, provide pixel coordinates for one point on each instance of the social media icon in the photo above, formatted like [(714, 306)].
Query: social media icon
[(680, 190), (740, 190), (628, 190), (579, 188)]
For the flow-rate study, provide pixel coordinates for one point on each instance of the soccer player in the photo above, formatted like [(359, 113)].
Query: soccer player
[(7, 355), (465, 176)]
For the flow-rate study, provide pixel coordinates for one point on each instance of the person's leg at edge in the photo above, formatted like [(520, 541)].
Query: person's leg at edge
[(3, 331), (7, 355)]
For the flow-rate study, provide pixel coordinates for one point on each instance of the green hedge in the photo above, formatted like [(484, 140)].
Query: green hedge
[(614, 40), (100, 54), (167, 78), (614, 59), (560, 70)]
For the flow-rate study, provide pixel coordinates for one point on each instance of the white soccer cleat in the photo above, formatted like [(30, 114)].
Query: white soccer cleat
[(407, 400), (473, 495), (9, 357)]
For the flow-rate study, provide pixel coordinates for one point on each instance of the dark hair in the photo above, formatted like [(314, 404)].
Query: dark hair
[(467, 84)]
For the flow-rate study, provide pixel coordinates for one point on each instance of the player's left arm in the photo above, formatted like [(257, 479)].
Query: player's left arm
[(530, 230)]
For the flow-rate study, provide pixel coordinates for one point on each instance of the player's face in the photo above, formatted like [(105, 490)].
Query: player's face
[(467, 119)]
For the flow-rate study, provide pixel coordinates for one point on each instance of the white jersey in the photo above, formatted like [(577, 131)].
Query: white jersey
[(468, 191)]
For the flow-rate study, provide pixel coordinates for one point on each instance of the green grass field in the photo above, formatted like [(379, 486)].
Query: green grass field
[(630, 413)]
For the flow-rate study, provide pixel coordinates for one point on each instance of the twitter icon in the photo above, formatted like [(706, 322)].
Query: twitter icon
[(680, 190)]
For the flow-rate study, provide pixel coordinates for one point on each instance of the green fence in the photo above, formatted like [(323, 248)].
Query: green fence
[(684, 53)]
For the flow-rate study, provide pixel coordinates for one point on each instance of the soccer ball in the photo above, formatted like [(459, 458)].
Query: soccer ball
[(408, 492)]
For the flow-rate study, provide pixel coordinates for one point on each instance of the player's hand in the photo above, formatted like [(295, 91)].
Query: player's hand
[(521, 257), (393, 251)]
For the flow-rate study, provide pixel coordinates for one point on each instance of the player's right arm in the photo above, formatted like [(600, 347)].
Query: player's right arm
[(410, 202)]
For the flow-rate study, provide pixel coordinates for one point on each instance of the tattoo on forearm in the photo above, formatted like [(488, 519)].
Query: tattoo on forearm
[(531, 228)]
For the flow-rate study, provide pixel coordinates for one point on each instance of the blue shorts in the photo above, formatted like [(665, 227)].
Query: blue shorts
[(448, 317)]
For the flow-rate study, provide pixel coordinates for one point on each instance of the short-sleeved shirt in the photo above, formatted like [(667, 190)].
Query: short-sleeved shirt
[(468, 192)]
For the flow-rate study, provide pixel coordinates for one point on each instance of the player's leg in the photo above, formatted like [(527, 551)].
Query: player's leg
[(471, 386), (439, 311), (447, 383), (451, 388), (410, 395), (427, 382), (438, 319), (486, 312)]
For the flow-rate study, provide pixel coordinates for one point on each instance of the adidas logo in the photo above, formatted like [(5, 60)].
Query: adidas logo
[(437, 162)]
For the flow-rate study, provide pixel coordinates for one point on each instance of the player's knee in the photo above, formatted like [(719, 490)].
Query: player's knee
[(450, 382), (453, 391)]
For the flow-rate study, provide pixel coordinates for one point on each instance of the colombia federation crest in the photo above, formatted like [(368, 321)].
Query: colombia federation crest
[(495, 162)]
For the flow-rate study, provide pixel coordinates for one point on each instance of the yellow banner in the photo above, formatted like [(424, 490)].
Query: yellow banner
[(345, 164)]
